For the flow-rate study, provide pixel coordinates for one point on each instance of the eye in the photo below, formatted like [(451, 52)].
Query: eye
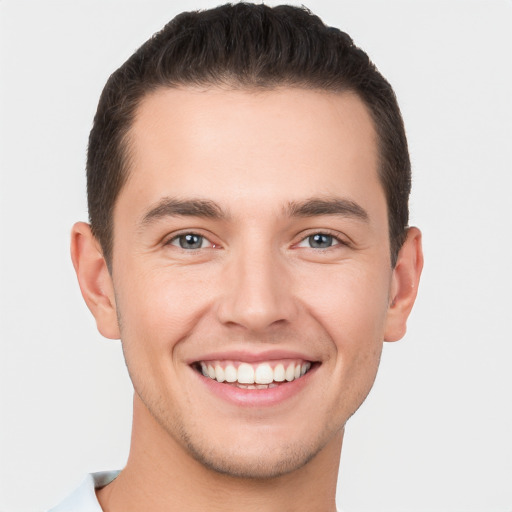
[(319, 241), (190, 241)]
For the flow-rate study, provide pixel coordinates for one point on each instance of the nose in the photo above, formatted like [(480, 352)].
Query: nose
[(258, 291)]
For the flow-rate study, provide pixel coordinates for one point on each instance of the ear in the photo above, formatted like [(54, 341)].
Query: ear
[(404, 285), (94, 279)]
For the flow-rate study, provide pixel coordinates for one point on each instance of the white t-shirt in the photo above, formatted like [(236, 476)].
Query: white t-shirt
[(84, 498)]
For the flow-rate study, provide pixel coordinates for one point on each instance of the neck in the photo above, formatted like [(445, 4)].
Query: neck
[(161, 475)]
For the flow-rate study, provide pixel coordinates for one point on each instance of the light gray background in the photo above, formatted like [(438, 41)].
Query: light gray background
[(435, 433)]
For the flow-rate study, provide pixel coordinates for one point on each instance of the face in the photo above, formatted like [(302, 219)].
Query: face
[(251, 271)]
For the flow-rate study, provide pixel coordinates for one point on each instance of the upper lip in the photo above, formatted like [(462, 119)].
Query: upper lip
[(251, 357)]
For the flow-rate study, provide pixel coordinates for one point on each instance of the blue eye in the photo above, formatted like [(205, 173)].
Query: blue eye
[(190, 241), (319, 241)]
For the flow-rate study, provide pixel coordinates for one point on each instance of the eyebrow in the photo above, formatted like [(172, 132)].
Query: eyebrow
[(316, 206), (312, 207), (171, 207)]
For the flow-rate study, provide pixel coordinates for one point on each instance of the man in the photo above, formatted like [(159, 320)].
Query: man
[(248, 182)]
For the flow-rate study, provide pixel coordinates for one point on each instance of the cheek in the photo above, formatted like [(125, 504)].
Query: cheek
[(354, 316), (158, 308), (351, 304), (157, 311)]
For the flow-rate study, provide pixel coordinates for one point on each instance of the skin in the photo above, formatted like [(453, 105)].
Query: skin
[(255, 286)]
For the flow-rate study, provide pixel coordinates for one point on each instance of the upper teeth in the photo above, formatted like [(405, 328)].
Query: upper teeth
[(261, 373)]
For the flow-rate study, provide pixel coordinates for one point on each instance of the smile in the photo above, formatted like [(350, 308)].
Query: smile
[(263, 375)]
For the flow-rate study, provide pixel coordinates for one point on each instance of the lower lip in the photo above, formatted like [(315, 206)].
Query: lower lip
[(257, 397)]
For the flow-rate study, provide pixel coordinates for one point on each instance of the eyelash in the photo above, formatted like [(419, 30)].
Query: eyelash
[(335, 238), (177, 237), (334, 235)]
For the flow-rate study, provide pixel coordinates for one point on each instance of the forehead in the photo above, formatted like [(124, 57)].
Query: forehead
[(245, 147)]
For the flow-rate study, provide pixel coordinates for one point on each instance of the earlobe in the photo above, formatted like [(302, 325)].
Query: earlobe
[(404, 286), (94, 279)]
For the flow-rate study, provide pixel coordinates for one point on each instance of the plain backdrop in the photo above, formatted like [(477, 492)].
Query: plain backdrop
[(436, 432)]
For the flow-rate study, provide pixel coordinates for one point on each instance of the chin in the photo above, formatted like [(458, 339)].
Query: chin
[(263, 455), (256, 465)]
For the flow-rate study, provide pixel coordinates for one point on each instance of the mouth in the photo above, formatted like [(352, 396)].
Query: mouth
[(261, 375)]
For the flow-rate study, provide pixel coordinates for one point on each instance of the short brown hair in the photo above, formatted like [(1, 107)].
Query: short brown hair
[(243, 46)]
